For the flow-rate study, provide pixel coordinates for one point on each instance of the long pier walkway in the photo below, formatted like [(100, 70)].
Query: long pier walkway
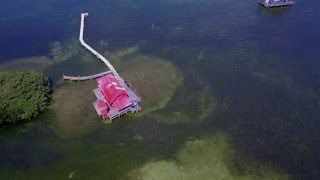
[(132, 95), (99, 56), (113, 112)]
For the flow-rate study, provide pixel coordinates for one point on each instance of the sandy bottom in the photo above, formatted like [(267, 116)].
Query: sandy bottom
[(193, 102), (37, 63), (72, 105), (155, 81), (205, 158)]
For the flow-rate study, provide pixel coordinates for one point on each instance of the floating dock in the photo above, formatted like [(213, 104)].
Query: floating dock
[(276, 3), (115, 97)]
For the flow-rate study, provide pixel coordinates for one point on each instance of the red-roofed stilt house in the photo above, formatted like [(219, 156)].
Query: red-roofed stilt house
[(114, 97)]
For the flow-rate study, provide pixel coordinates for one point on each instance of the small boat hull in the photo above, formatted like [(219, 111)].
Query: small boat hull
[(276, 3)]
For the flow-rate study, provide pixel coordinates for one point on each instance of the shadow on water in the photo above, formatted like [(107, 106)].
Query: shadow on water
[(274, 12)]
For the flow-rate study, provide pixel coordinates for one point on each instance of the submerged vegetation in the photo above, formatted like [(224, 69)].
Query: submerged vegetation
[(64, 51), (193, 102), (249, 73), (166, 97), (23, 95), (37, 63), (155, 79), (205, 158), (73, 108), (59, 52)]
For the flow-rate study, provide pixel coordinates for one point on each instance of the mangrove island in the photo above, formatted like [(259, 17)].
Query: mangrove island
[(23, 95)]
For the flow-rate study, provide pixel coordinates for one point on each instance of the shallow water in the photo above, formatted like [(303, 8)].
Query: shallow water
[(260, 65)]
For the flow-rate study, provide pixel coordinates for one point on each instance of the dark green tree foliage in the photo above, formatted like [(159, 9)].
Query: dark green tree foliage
[(23, 95)]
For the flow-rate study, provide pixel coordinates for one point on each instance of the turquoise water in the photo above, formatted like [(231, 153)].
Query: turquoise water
[(262, 66)]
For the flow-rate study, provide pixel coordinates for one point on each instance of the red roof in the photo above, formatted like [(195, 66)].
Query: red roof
[(122, 102), (114, 93), (102, 105), (104, 113)]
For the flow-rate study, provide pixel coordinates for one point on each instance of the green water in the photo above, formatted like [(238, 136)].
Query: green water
[(250, 90)]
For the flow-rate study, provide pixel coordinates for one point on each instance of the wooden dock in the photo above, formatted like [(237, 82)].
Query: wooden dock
[(113, 112), (132, 95), (84, 78), (99, 56)]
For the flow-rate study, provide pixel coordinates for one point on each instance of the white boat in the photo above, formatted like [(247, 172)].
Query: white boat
[(276, 3)]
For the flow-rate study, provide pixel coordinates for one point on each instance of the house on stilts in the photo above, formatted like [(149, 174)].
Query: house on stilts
[(114, 99)]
